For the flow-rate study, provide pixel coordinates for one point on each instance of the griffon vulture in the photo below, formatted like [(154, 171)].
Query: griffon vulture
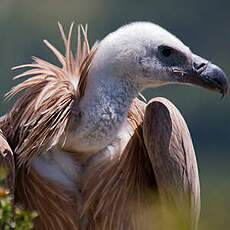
[(90, 155)]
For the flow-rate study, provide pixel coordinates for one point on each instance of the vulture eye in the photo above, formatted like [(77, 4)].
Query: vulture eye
[(168, 56), (166, 51)]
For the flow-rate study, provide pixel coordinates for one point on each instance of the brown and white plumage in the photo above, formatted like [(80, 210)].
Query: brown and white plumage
[(162, 165), (89, 154), (46, 101)]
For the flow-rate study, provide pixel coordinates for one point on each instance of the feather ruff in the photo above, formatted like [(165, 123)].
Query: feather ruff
[(47, 98)]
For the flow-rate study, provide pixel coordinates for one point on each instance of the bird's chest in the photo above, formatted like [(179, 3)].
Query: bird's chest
[(59, 166), (62, 172), (65, 169)]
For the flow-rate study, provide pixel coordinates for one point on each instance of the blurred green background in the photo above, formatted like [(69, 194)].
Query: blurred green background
[(203, 25)]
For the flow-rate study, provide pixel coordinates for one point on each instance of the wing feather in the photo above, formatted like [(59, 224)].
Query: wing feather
[(170, 148)]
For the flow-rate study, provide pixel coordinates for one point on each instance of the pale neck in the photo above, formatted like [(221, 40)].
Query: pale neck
[(104, 106), (107, 89)]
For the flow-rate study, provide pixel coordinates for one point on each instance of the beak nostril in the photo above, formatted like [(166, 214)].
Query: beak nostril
[(198, 66)]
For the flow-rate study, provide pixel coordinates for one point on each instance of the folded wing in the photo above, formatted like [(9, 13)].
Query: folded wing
[(170, 149)]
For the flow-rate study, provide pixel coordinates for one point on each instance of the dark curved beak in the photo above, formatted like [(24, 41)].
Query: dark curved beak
[(206, 75)]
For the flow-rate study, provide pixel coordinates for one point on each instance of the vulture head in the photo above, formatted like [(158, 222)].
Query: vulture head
[(151, 56)]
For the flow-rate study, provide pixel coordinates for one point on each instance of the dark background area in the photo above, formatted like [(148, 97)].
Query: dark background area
[(204, 26)]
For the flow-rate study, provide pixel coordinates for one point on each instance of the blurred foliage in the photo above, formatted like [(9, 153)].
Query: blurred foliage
[(202, 25), (218, 218), (12, 217)]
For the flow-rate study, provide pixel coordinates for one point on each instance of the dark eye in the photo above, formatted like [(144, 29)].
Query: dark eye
[(169, 56), (166, 51)]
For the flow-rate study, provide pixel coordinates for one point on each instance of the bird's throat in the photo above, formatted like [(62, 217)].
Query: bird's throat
[(104, 108)]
